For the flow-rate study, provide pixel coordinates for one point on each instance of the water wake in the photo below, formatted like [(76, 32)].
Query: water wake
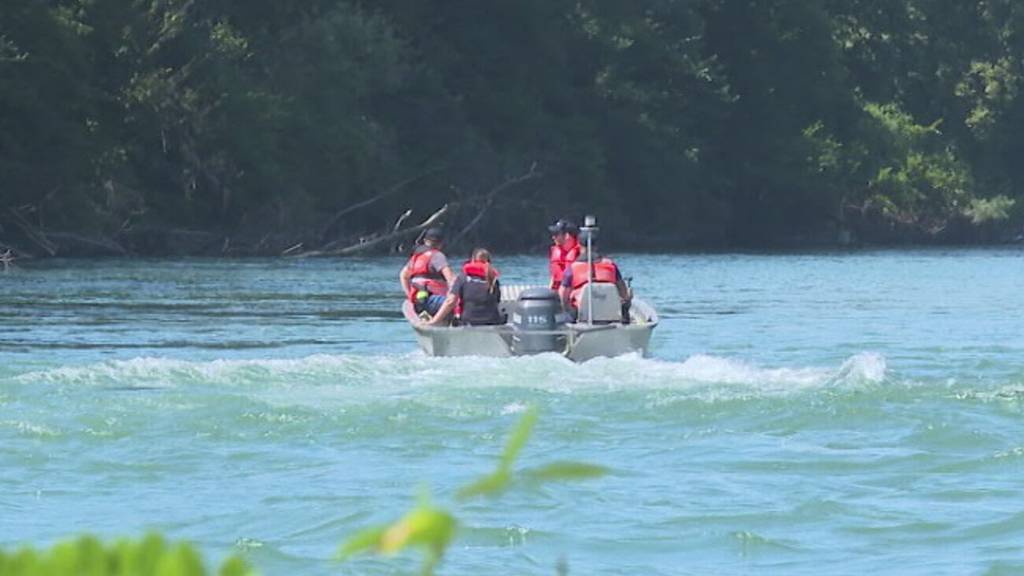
[(409, 372)]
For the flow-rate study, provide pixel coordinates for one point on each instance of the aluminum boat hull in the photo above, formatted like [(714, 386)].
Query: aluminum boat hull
[(577, 341)]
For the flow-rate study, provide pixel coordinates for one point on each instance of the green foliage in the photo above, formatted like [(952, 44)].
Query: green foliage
[(721, 121), (433, 529), (558, 471), (988, 87), (498, 481), (87, 556), (425, 526), (922, 182), (993, 209)]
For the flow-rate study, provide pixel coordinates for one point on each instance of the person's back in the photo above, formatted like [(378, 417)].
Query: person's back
[(475, 294), (479, 293), (426, 276), (578, 275)]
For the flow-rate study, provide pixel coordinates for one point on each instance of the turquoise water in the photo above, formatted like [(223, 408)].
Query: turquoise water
[(837, 413)]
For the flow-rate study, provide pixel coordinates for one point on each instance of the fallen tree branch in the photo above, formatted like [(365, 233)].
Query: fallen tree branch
[(367, 244), (398, 223), (492, 195), (89, 245), (6, 259), (395, 188), (400, 247), (16, 252), (33, 234), (294, 248)]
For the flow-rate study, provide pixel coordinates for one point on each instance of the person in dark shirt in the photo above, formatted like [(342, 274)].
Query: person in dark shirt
[(475, 294)]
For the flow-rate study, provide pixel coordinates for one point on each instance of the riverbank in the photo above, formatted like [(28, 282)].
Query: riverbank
[(181, 242)]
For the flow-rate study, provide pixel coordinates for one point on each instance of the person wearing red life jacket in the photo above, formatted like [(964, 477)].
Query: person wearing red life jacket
[(425, 278), (474, 295), (578, 275), (565, 249)]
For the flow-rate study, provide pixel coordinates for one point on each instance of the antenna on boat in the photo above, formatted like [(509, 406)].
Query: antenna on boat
[(589, 229)]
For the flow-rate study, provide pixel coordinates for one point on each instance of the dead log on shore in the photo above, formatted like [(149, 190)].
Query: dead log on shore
[(398, 233), (365, 245), (63, 243), (400, 247), (292, 249), (154, 241), (491, 196), (7, 258), (398, 223), (16, 252), (34, 235), (71, 244), (329, 227)]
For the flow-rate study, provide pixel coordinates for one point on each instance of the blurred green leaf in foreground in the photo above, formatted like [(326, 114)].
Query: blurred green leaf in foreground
[(433, 529), (87, 556)]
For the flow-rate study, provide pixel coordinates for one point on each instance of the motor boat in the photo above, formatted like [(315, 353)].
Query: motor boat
[(536, 324)]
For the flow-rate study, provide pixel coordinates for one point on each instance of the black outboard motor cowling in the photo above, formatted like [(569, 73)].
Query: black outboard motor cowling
[(536, 316)]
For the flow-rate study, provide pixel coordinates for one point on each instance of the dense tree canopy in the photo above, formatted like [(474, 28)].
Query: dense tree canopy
[(249, 126)]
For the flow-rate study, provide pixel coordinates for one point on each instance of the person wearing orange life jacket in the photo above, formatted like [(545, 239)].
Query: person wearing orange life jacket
[(474, 295), (425, 278), (577, 276), (565, 250)]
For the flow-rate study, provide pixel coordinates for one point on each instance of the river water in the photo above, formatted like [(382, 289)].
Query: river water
[(838, 413)]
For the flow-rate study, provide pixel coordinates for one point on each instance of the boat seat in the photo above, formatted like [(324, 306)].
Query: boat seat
[(607, 306), (511, 292)]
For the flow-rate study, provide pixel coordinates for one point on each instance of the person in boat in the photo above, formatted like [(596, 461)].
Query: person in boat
[(565, 249), (577, 275), (474, 295), (425, 278)]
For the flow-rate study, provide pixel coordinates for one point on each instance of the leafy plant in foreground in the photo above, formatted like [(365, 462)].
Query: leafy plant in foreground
[(433, 529), (87, 556)]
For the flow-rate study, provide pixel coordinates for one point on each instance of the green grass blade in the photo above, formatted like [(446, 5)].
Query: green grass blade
[(489, 485), (366, 540), (559, 471), (518, 439)]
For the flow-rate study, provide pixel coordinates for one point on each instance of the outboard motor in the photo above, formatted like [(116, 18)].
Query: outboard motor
[(536, 316)]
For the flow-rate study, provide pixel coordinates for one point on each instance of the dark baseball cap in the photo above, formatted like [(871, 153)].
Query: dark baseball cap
[(562, 225), (433, 234)]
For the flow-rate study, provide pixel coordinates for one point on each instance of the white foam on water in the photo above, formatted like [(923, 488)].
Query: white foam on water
[(166, 372), (513, 408), (866, 367), (404, 374), (30, 429)]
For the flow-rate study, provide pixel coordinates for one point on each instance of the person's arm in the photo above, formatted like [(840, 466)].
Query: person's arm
[(449, 276), (555, 265), (439, 264), (625, 292), (563, 295), (565, 290), (445, 310), (496, 291), (403, 278)]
